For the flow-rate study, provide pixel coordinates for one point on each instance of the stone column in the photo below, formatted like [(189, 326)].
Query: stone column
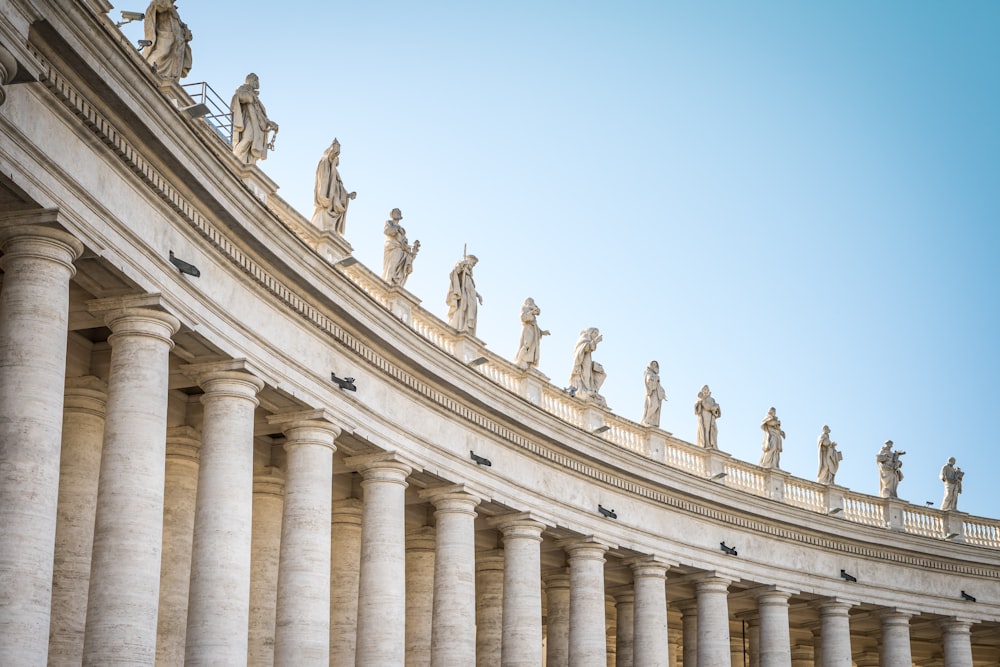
[(265, 549), (522, 590), (650, 582), (219, 606), (557, 618), (381, 598), (453, 637), (689, 632), (180, 492), (674, 641), (775, 640), (128, 528), (835, 626), (420, 544), (625, 631), (587, 639), (345, 559), (896, 638), (957, 642), (79, 469), (713, 621), (817, 633), (302, 620), (751, 629), (34, 315), (489, 608)]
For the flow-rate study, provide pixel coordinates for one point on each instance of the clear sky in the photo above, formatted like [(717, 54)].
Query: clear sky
[(795, 203)]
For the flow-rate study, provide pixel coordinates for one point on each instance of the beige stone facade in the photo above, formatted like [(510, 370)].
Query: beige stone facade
[(182, 483)]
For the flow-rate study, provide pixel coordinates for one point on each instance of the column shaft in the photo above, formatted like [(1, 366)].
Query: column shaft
[(587, 632), (625, 631), (896, 639), (957, 643), (713, 622), (689, 632), (775, 640), (650, 583), (835, 626), (522, 591), (34, 314), (302, 629), (219, 602), (557, 598), (79, 470), (265, 550), (345, 559), (420, 545), (489, 608), (128, 535)]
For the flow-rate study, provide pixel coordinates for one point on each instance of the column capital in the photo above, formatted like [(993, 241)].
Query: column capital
[(897, 615), (451, 498), (834, 605), (384, 466), (649, 566), (520, 524), (957, 624), (307, 427), (584, 548), (712, 581), (773, 595), (184, 442), (557, 578), (623, 594), (127, 321), (269, 480), (26, 236)]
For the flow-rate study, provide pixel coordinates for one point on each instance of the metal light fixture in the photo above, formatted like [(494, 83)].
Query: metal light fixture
[(195, 110), (478, 361), (606, 512), (966, 596), (346, 262), (835, 510), (718, 475), (601, 429), (347, 384), (481, 460), (184, 267), (848, 577), (729, 550), (951, 536)]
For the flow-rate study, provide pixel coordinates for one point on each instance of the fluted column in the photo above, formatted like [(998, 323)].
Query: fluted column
[(957, 642), (489, 608), (625, 630), (522, 590), (79, 469), (453, 637), (180, 494), (896, 638), (34, 315), (128, 530), (420, 546), (775, 640), (835, 626), (265, 549), (713, 622), (587, 638), (381, 599), (650, 582), (689, 631), (345, 559), (302, 625), (219, 603), (557, 598)]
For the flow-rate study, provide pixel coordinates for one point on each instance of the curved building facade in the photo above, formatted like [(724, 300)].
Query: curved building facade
[(224, 442)]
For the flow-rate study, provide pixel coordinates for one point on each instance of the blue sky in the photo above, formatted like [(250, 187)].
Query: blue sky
[(795, 203)]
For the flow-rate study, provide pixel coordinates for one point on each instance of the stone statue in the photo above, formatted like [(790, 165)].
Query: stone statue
[(773, 437), (170, 51), (587, 375), (531, 336), (251, 126), (330, 197), (890, 472), (654, 395), (707, 411), (952, 478), (463, 299), (398, 256), (829, 457)]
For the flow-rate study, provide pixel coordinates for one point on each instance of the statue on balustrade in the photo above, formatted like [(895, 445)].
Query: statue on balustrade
[(330, 196), (463, 300), (707, 411), (952, 478), (252, 129), (531, 336), (654, 395), (588, 375), (169, 52), (398, 256), (890, 470), (829, 457), (773, 437)]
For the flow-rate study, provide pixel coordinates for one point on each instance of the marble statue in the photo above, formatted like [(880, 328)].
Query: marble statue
[(463, 300), (773, 437), (587, 375), (707, 411), (169, 53), (952, 478), (654, 395), (398, 256), (829, 457), (251, 126), (890, 472), (531, 336), (330, 196)]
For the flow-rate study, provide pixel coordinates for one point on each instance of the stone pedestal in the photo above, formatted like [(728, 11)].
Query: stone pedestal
[(128, 530), (522, 590), (713, 621), (345, 561), (302, 622), (265, 547), (587, 639), (34, 312), (219, 605), (557, 598), (489, 608)]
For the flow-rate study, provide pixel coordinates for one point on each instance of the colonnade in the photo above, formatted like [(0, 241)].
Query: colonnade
[(128, 542)]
